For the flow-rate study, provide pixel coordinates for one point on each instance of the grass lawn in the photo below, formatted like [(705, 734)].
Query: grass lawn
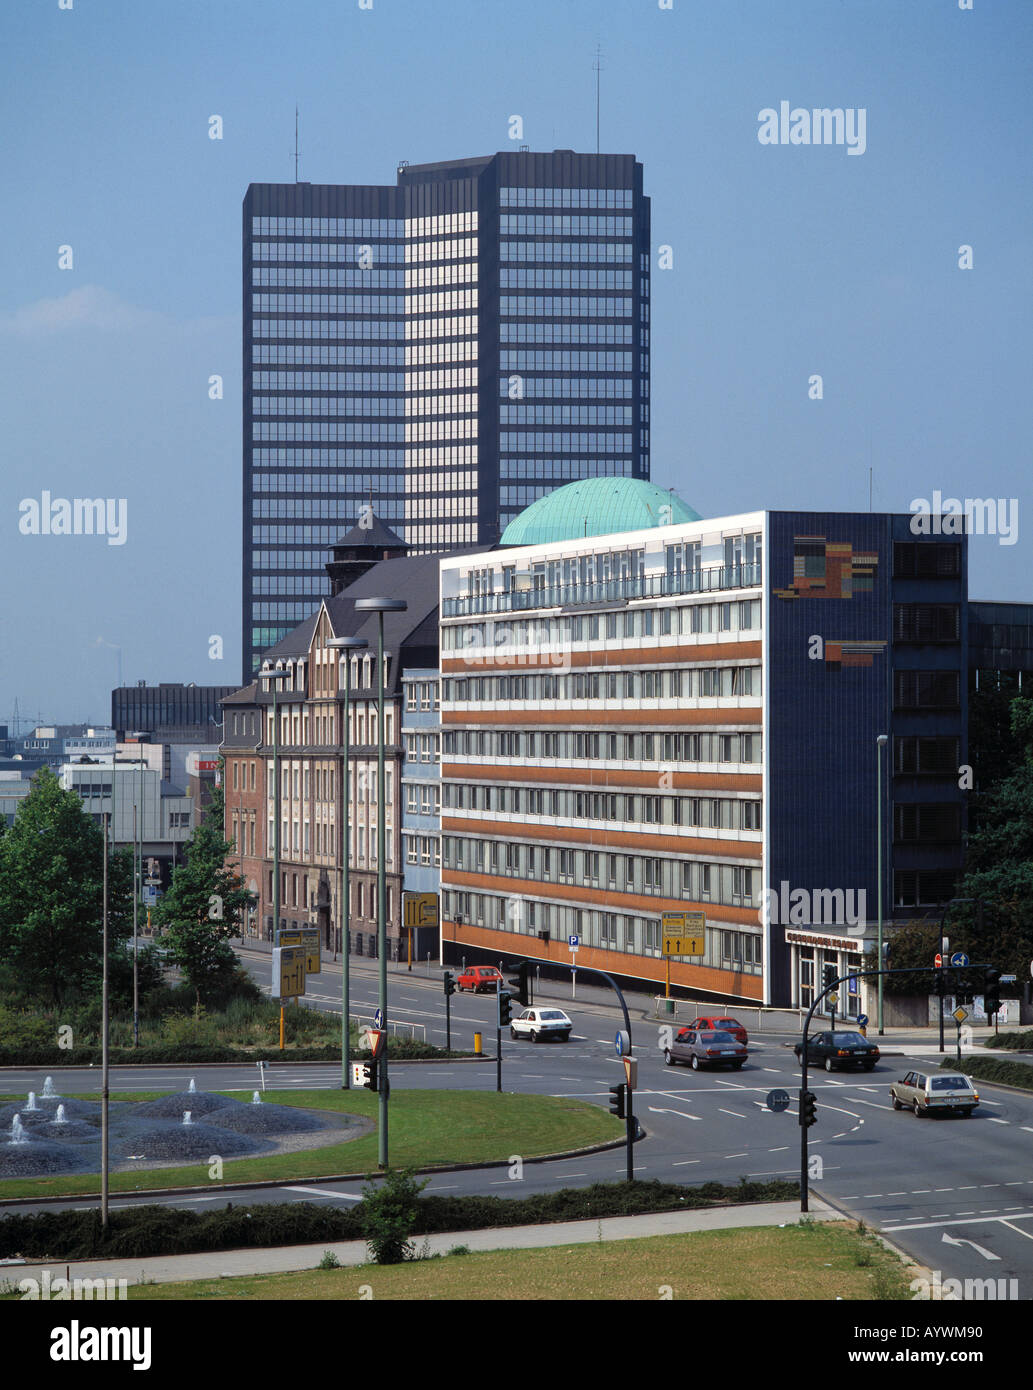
[(427, 1128), (807, 1261)]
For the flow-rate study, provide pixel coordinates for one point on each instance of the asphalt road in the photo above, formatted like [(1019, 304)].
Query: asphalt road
[(925, 1183)]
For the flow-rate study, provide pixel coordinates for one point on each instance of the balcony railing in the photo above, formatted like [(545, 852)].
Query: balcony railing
[(699, 581)]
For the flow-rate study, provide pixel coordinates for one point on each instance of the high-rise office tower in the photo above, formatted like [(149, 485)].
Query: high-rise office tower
[(439, 353)]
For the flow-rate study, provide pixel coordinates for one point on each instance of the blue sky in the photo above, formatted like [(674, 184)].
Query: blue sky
[(788, 261)]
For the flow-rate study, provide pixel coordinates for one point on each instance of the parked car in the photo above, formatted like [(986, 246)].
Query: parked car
[(707, 1048), (840, 1050), (935, 1093), (478, 978), (724, 1025), (539, 1024)]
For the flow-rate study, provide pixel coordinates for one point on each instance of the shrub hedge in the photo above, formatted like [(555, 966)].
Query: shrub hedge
[(156, 1230), (1017, 1042), (51, 1056), (993, 1069)]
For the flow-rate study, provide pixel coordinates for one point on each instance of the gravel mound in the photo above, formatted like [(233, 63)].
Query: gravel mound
[(181, 1141), (266, 1119), (37, 1158), (171, 1107)]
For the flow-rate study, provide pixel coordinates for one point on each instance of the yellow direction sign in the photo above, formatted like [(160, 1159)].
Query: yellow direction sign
[(682, 933), (420, 909), (308, 939), (288, 980)]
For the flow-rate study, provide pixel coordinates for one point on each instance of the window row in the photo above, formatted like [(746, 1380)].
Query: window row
[(455, 250), (314, 354), (356, 252), (519, 360), (454, 273), (926, 622), (422, 801), (421, 695), (605, 387), (386, 462), (328, 277), (327, 381), (459, 326), (515, 469), (559, 224), (448, 480), (700, 683), (566, 251), (422, 354), (566, 306), (423, 849), (926, 689), (357, 431), (567, 746), (686, 879), (340, 508), (327, 226), (691, 619), (627, 808), (510, 332), (618, 443), (380, 328), (441, 302), (443, 224), (566, 198), (565, 415), (423, 748), (448, 378), (455, 403), (327, 304), (564, 278), (328, 405)]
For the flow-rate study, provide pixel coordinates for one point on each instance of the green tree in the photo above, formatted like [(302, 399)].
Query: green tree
[(204, 907), (51, 895)]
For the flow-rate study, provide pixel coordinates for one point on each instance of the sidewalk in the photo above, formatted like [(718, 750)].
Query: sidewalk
[(162, 1269)]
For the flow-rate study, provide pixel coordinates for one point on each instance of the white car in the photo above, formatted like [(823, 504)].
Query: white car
[(541, 1023)]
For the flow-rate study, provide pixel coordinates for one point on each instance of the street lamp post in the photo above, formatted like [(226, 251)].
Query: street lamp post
[(275, 676), (137, 878), (380, 606), (345, 646), (880, 744)]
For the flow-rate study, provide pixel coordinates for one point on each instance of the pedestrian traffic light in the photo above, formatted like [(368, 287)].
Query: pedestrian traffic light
[(518, 984), (808, 1108), (369, 1072), (617, 1094), (505, 1007), (991, 991), (450, 983), (828, 976)]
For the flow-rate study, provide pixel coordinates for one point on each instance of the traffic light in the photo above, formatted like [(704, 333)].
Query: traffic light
[(991, 991), (450, 983), (1027, 991), (828, 976), (617, 1094), (808, 1109), (518, 984), (369, 1071), (505, 1009)]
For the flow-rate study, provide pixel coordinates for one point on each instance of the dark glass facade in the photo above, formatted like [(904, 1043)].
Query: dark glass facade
[(151, 708), (446, 350)]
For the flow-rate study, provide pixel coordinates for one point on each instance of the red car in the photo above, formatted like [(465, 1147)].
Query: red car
[(723, 1024), (478, 978)]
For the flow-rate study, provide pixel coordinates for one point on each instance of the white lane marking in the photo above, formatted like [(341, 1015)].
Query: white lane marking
[(743, 1155), (782, 1150), (995, 1121), (325, 1192), (680, 1163), (738, 1115), (661, 1110), (874, 1104), (1015, 1228), (896, 1194)]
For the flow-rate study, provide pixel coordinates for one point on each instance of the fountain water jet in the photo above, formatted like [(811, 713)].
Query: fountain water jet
[(186, 1118), (256, 1099), (32, 1101), (60, 1118), (192, 1087), (18, 1134), (48, 1089)]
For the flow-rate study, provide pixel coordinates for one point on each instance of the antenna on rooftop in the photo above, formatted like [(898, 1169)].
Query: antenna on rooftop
[(297, 151), (597, 67)]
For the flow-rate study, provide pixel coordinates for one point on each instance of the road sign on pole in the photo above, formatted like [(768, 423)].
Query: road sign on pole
[(621, 1043), (288, 976), (959, 958), (778, 1100)]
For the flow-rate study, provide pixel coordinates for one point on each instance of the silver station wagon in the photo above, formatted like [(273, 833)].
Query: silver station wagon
[(935, 1093)]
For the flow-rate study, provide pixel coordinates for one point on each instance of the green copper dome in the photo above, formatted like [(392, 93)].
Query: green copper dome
[(596, 507)]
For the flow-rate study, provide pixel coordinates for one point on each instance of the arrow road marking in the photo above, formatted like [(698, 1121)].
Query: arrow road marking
[(660, 1110), (955, 1240)]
